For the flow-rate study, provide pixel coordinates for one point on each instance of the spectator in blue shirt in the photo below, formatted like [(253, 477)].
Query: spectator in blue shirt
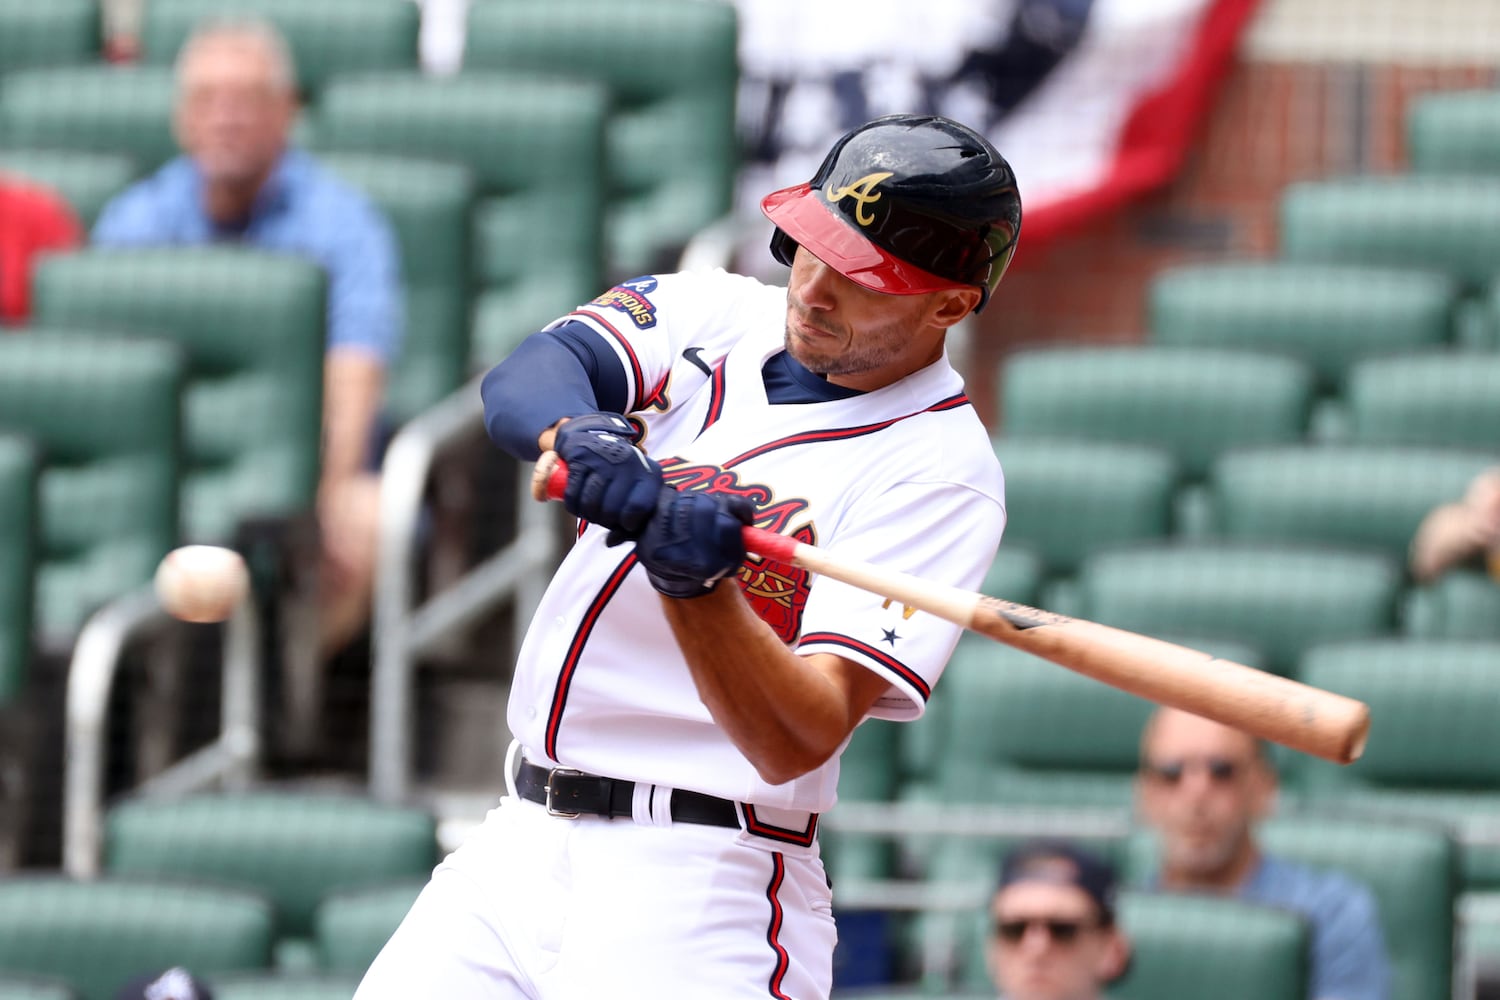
[(1204, 787), (240, 182)]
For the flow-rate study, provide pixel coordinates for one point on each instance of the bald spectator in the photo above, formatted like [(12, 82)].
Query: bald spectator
[(1052, 920), (1204, 788), (241, 182)]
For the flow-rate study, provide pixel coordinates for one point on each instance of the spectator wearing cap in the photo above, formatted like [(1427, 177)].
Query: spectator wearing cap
[(1052, 916), (1204, 787), (172, 984)]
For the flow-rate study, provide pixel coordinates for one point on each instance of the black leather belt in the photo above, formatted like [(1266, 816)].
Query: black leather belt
[(569, 793)]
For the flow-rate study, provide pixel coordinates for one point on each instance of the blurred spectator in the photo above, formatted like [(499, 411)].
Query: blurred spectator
[(1460, 532), (173, 984), (33, 220), (1204, 787), (241, 182), (1052, 919)]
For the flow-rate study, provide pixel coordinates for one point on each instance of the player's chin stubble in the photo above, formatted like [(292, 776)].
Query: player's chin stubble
[(870, 350)]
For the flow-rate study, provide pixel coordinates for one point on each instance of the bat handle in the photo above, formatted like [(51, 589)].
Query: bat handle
[(549, 480)]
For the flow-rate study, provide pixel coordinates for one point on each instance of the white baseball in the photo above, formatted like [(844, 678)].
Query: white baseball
[(201, 583)]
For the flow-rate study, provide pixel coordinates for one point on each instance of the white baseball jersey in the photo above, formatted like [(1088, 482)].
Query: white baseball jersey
[(903, 477)]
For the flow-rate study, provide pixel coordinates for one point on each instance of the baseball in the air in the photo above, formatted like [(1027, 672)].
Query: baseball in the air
[(201, 583)]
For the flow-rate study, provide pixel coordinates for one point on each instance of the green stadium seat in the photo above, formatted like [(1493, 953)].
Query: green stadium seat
[(1192, 947), (125, 110), (671, 69), (428, 205), (19, 532), (1329, 316), (252, 326), (1192, 402), (97, 935), (536, 149), (1357, 496), (1432, 756), (1456, 132), (86, 181), (1278, 599), (106, 416), (55, 33), (1449, 400), (1440, 224), (284, 986), (352, 926), (327, 39), (1065, 498), (1461, 604), (869, 771), (34, 988), (294, 848), (1410, 870)]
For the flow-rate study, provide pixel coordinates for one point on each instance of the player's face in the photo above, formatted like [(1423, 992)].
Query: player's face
[(860, 338), (1046, 943), (232, 116), (1203, 786)]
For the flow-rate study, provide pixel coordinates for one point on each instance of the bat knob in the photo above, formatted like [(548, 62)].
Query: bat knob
[(549, 479)]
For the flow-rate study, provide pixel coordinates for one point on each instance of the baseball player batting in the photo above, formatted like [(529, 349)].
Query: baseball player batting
[(679, 707)]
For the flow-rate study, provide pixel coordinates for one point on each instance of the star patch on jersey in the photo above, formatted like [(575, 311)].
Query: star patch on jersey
[(889, 635), (629, 297), (777, 592)]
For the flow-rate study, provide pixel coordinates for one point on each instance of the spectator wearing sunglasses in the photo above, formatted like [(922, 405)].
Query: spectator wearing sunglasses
[(1052, 922), (1204, 788)]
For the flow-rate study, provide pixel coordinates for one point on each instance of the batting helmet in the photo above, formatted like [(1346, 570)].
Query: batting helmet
[(905, 204)]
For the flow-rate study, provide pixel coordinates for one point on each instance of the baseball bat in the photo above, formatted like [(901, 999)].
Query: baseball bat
[(1275, 708)]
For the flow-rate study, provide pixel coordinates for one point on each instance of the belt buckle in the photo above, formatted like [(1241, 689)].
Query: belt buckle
[(554, 772)]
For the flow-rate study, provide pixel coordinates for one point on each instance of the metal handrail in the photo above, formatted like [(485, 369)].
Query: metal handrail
[(403, 630), (231, 760)]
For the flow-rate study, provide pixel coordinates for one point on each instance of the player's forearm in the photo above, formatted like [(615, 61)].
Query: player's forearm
[(786, 717)]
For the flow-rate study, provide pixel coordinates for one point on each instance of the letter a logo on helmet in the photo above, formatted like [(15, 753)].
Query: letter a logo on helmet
[(905, 204)]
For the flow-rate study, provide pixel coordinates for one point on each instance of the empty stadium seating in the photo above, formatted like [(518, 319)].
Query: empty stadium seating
[(34, 988), (352, 925), (125, 110), (86, 181), (327, 39), (1277, 599), (98, 935), (293, 848), (536, 150), (1455, 132), (19, 538), (252, 327), (284, 986), (55, 33), (106, 415), (1445, 400), (1328, 315), (1445, 225), (671, 72), (1192, 402)]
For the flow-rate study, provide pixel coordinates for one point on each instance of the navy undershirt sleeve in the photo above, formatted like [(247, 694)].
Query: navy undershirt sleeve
[(563, 372)]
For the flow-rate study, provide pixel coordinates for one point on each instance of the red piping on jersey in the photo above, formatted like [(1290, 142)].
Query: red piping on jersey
[(780, 834), (892, 664), (773, 932), (843, 433), (636, 374), (575, 650), (715, 400)]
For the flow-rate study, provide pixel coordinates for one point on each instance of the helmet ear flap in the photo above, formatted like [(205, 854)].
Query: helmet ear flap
[(783, 247)]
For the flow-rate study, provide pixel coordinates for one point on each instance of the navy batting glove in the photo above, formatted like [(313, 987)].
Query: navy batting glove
[(611, 482), (692, 541)]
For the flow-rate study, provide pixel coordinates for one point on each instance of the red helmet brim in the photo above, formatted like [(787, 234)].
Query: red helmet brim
[(800, 212)]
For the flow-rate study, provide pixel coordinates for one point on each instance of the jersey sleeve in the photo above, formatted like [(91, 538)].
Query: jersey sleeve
[(649, 321), (941, 531)]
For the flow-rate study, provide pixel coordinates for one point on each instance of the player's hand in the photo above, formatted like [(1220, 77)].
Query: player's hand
[(611, 482), (692, 541)]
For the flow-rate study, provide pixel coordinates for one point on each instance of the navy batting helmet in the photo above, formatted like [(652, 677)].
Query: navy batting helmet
[(905, 204)]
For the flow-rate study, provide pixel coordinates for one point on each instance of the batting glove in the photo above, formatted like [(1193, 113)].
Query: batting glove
[(693, 541), (611, 482)]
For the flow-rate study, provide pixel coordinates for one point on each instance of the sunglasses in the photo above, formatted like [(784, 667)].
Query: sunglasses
[(1060, 931), (1220, 770)]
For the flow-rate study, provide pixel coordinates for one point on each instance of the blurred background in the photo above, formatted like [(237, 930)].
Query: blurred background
[(1243, 376)]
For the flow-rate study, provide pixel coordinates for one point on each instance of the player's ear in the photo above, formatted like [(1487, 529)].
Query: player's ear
[(953, 304)]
